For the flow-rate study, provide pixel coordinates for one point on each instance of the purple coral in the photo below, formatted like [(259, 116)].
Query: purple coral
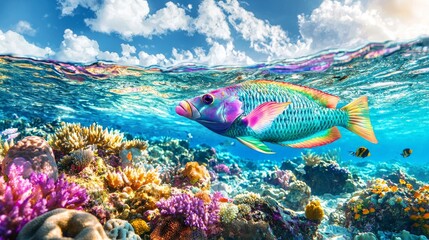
[(222, 168), (21, 199), (196, 213)]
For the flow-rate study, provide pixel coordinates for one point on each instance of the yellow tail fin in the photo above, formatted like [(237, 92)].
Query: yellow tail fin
[(359, 122)]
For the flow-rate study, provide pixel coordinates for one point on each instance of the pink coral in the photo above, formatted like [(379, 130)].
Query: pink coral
[(21, 200)]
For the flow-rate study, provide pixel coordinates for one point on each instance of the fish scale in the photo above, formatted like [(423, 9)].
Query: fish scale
[(302, 117)]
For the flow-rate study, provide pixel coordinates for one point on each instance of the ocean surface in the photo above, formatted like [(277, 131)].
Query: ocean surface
[(140, 102)]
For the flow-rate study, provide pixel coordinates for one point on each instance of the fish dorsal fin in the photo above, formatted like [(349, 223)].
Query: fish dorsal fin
[(263, 115), (323, 98), (315, 140), (255, 144)]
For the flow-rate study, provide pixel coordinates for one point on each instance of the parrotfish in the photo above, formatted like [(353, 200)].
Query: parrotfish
[(258, 111)]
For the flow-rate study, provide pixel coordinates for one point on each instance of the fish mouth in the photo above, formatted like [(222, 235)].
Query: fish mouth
[(187, 110)]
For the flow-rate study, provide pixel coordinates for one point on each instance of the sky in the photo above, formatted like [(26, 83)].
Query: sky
[(208, 32)]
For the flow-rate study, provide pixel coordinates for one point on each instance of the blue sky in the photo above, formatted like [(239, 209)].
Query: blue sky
[(212, 32)]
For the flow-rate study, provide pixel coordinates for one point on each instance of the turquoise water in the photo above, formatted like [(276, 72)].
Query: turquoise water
[(141, 100)]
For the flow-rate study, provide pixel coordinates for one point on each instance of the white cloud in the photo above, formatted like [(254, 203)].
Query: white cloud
[(211, 21), (263, 37), (14, 43), (79, 48), (68, 6), (76, 48), (24, 27), (350, 24), (218, 54), (131, 17)]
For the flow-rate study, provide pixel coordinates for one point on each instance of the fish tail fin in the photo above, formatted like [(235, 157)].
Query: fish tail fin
[(359, 121)]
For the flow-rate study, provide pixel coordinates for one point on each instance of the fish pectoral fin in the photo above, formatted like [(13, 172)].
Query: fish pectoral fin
[(315, 140), (263, 115), (255, 144)]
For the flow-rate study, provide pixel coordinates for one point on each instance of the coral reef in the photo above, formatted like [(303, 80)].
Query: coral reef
[(228, 212), (72, 136), (298, 195), (310, 158), (374, 208), (120, 230), (146, 198), (140, 226), (132, 177), (171, 228), (21, 200), (34, 150), (63, 223), (197, 175), (195, 211), (327, 177)]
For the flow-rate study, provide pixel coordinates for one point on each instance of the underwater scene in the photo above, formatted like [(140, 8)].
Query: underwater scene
[(329, 146)]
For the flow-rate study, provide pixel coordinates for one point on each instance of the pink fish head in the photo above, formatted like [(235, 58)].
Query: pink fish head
[(216, 110)]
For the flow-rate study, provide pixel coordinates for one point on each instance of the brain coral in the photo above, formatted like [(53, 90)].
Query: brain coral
[(63, 224)]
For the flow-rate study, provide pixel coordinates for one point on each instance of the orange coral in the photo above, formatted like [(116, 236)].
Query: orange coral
[(132, 177), (314, 211), (195, 172)]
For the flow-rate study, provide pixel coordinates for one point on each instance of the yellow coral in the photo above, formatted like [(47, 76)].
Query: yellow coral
[(147, 196), (72, 136), (310, 158), (314, 211), (115, 180), (140, 226), (195, 172), (4, 147), (228, 212), (132, 177), (136, 143)]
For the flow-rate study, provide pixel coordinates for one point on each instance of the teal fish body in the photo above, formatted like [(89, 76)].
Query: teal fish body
[(260, 111), (302, 118)]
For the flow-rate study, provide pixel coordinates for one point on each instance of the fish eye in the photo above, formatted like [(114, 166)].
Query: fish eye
[(207, 98)]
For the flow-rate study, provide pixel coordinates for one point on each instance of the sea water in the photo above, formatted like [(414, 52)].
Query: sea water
[(140, 100)]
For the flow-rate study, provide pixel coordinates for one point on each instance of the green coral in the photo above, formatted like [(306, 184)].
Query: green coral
[(228, 212)]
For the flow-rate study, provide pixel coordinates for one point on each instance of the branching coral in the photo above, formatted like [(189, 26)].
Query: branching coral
[(132, 177), (5, 146), (310, 158), (195, 211), (314, 211), (21, 199), (72, 136)]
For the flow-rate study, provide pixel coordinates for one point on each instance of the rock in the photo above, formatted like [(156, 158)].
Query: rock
[(31, 151), (63, 223)]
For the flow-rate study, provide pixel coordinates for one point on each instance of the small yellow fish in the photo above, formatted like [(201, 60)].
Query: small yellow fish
[(361, 152), (406, 152), (129, 156)]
